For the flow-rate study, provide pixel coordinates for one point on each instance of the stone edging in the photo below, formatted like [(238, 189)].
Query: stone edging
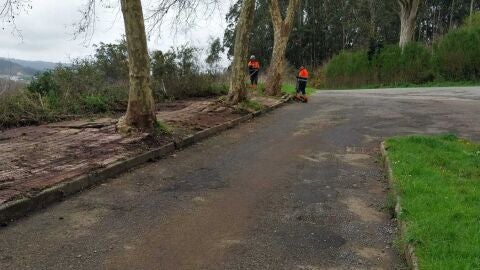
[(409, 249), (19, 208)]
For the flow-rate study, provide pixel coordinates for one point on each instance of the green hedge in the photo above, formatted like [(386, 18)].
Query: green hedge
[(348, 69), (455, 57), (392, 66)]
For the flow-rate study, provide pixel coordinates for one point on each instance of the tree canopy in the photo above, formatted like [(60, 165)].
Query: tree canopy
[(323, 28)]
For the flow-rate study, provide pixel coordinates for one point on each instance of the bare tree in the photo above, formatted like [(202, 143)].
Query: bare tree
[(141, 107), (10, 9), (408, 17), (282, 29), (185, 12), (238, 89)]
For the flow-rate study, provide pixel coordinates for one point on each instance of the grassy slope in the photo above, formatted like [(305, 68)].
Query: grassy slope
[(438, 181)]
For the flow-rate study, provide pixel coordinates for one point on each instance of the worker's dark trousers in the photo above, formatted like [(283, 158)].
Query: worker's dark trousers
[(253, 76), (301, 86)]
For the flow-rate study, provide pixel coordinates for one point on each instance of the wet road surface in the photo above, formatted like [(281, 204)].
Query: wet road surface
[(300, 188)]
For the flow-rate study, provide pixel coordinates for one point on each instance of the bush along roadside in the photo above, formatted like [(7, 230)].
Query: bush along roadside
[(99, 85), (454, 59), (437, 183)]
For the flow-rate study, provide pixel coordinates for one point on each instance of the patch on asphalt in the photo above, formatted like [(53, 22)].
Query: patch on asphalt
[(369, 253), (82, 221), (201, 179), (361, 209), (354, 159), (316, 157), (313, 213), (320, 120), (226, 243)]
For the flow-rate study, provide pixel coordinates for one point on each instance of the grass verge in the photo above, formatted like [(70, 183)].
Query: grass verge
[(410, 85), (438, 180)]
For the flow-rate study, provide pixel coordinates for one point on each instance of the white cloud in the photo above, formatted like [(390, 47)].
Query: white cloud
[(47, 31)]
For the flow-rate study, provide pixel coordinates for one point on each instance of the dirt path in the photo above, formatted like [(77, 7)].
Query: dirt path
[(300, 188)]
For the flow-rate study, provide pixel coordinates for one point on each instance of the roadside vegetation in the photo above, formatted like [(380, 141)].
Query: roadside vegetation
[(99, 85), (290, 89), (438, 179), (452, 60)]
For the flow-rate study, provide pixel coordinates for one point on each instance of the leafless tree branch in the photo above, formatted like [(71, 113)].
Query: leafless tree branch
[(185, 13), (10, 9)]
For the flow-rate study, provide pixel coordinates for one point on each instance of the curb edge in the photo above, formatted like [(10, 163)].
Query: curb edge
[(409, 249), (17, 209)]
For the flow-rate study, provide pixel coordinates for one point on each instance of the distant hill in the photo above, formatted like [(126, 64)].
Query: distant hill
[(11, 68), (38, 65)]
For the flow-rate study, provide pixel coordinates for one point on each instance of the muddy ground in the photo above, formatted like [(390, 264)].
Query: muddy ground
[(37, 157)]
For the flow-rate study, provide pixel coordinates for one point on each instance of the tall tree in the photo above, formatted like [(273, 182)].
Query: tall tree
[(471, 10), (141, 106), (282, 28), (408, 17), (238, 89)]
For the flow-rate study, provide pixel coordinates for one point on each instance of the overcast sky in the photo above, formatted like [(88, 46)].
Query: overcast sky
[(47, 31)]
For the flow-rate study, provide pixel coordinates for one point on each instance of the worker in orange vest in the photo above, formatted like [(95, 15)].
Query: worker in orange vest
[(302, 80), (253, 69)]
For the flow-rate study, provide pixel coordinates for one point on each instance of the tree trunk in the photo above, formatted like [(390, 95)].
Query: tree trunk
[(238, 88), (282, 29), (452, 9), (408, 17), (471, 11), (141, 106)]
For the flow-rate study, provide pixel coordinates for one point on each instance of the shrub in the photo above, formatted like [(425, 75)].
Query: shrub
[(348, 69), (392, 65), (178, 73), (457, 56), (96, 104), (43, 84), (412, 64), (99, 84)]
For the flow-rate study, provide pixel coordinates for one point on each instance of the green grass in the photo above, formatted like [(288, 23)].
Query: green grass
[(410, 85), (290, 89), (438, 179), (162, 129)]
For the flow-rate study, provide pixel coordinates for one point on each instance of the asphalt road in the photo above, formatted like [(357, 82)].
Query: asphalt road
[(300, 188)]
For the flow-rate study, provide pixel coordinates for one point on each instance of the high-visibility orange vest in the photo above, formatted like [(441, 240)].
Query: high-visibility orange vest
[(303, 73), (254, 64)]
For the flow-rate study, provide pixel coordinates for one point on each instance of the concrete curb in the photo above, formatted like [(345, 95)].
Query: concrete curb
[(19, 208), (409, 249)]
